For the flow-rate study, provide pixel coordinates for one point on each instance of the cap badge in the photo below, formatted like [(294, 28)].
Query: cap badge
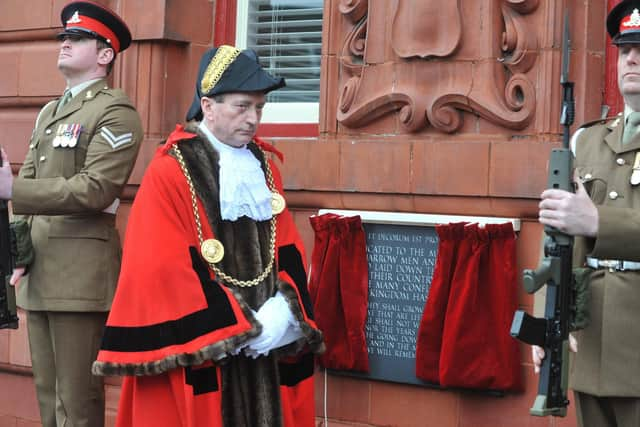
[(633, 20), (75, 18)]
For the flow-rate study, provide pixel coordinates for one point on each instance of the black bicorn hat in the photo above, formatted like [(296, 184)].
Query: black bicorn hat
[(227, 69), (88, 19), (623, 22)]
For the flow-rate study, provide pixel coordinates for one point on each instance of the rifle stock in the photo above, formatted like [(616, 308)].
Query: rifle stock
[(8, 310), (555, 271)]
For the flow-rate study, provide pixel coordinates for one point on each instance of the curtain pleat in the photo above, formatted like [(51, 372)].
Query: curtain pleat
[(339, 283), (477, 349), (429, 340), (463, 339)]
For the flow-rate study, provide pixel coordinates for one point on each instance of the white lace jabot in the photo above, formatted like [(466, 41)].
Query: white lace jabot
[(243, 188)]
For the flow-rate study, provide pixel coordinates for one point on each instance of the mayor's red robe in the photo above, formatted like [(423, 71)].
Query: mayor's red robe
[(174, 329)]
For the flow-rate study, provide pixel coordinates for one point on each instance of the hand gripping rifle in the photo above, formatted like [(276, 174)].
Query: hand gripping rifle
[(555, 270), (8, 311)]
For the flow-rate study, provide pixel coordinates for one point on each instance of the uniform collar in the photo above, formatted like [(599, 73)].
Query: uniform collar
[(616, 143), (616, 130), (85, 91), (82, 86)]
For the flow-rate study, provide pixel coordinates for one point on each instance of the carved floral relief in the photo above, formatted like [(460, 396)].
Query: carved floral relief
[(419, 73)]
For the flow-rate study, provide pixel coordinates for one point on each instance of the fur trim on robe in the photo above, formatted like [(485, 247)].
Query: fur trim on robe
[(170, 311), (162, 235)]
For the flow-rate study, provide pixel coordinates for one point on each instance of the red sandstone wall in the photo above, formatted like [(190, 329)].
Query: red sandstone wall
[(384, 142)]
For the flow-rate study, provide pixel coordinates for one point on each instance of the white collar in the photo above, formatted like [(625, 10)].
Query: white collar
[(243, 187)]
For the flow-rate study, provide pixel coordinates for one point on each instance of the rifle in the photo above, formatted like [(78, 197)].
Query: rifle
[(8, 310), (555, 270)]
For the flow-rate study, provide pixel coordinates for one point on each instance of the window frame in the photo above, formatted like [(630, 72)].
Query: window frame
[(277, 118)]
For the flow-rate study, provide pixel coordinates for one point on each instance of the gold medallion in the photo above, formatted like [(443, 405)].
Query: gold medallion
[(277, 203), (212, 250)]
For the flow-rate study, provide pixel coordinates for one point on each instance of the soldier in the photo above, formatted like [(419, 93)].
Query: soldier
[(211, 324), (604, 216), (81, 153)]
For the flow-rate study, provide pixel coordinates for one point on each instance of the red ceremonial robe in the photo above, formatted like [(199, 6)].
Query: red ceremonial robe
[(174, 329)]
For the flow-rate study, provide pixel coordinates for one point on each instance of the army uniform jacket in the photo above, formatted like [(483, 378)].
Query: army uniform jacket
[(608, 359), (79, 160)]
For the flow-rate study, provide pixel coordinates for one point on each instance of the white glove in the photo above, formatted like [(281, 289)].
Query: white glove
[(293, 333), (276, 319)]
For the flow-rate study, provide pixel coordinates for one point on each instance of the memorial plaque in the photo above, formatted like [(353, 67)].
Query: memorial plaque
[(401, 261), (401, 253)]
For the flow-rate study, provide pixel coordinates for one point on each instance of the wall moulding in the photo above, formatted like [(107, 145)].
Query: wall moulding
[(430, 61), (24, 101), (47, 34)]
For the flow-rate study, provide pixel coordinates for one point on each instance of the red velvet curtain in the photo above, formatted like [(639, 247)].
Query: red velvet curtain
[(476, 350), (339, 287), (433, 317)]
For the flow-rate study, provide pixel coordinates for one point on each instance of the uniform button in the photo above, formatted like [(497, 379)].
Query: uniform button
[(31, 146), (48, 131), (620, 161), (43, 158), (588, 176), (613, 195)]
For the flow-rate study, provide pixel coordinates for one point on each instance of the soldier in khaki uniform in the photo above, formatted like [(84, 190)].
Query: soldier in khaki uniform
[(80, 156), (604, 215)]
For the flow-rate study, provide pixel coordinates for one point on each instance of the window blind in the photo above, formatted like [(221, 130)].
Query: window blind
[(287, 35)]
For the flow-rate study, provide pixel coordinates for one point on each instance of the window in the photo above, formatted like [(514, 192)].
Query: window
[(287, 35)]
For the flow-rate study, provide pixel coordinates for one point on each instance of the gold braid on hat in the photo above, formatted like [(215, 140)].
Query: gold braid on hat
[(224, 56)]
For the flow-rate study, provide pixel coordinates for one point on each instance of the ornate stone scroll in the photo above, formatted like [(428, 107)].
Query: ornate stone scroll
[(441, 59), (426, 28)]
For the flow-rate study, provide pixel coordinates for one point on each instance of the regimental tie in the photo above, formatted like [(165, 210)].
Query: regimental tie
[(631, 127), (66, 97)]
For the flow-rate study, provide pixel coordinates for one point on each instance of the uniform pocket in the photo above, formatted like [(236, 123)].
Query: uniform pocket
[(82, 257), (77, 227), (594, 183)]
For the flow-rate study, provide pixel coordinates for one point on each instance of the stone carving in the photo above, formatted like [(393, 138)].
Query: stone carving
[(353, 9), (426, 28), (520, 49), (417, 74)]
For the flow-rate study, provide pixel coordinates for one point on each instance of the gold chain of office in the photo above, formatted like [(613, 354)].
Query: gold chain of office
[(272, 239)]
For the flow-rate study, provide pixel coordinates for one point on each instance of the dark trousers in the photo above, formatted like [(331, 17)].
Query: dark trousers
[(63, 347), (594, 411)]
